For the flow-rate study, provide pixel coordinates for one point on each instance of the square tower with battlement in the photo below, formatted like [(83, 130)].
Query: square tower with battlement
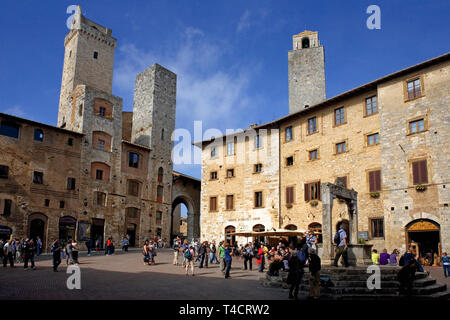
[(306, 71), (88, 60)]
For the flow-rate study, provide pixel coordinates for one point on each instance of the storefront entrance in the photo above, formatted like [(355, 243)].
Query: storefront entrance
[(424, 234), (97, 231), (67, 226), (131, 233)]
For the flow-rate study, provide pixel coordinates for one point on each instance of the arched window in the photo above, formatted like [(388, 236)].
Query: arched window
[(101, 140), (259, 228), (305, 43), (317, 229), (132, 213), (160, 174), (100, 171), (38, 135), (291, 227)]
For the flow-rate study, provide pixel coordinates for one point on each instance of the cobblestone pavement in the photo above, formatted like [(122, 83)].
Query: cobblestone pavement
[(437, 273), (124, 276)]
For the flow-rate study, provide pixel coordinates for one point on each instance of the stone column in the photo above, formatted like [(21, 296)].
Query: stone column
[(190, 226), (353, 223), (327, 228)]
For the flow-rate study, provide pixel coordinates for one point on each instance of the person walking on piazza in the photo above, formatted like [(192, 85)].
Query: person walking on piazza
[(125, 244), (8, 254), (176, 250), (445, 264), (260, 258), (222, 257), (189, 255), (56, 255), (145, 253), (340, 239), (38, 246), (228, 253), (248, 255), (212, 253), (295, 275), (29, 249), (201, 254), (75, 251)]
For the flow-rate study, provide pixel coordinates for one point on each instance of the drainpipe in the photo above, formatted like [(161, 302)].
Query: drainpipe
[(279, 177)]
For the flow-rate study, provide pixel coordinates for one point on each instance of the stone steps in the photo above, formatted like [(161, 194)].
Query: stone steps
[(351, 283)]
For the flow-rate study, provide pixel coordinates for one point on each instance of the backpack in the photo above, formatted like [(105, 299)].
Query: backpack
[(188, 254), (337, 238)]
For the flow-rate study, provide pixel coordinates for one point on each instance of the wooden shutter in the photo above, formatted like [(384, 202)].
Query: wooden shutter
[(318, 190), (423, 171), (371, 181), (377, 178), (212, 204), (307, 192), (289, 194)]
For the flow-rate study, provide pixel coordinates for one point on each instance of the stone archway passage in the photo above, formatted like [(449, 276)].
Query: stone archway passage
[(37, 227), (186, 190)]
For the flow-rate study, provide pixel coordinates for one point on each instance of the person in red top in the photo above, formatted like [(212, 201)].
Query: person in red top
[(260, 258)]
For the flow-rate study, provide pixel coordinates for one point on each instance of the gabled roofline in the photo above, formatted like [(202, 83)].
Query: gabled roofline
[(39, 124)]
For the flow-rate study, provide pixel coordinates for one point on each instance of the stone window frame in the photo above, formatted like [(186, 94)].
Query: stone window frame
[(405, 87), (334, 117), (38, 135), (215, 156), (262, 199), (370, 219), (129, 189), (365, 115), (286, 165), (410, 171), (5, 204), (12, 124), (159, 199), (233, 202), (366, 138), (307, 183), (292, 134), (211, 173), (35, 176), (233, 175), (309, 155), (425, 124), (260, 165), (368, 179), (139, 160), (335, 144), (307, 126), (95, 198), (6, 169), (259, 146), (71, 183), (234, 142), (216, 203)]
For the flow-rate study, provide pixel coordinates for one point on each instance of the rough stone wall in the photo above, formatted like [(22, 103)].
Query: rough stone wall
[(353, 164), (57, 160), (243, 186), (306, 77), (399, 148)]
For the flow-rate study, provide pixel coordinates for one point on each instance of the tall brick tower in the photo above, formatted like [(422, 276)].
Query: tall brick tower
[(88, 60), (306, 71)]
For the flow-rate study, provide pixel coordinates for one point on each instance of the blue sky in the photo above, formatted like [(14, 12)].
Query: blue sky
[(230, 56)]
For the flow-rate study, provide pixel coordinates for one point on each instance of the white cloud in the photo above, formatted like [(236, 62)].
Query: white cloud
[(244, 21), (208, 89), (15, 110)]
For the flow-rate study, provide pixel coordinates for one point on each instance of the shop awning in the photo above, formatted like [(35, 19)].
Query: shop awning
[(273, 233)]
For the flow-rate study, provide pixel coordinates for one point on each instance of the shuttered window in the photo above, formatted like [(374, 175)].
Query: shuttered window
[(312, 191), (371, 105), (70, 183), (375, 180), (212, 203), (290, 195), (420, 172), (339, 116), (258, 199), (230, 202)]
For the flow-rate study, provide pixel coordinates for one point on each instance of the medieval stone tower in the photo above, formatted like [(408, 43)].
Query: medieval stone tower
[(153, 123), (306, 71)]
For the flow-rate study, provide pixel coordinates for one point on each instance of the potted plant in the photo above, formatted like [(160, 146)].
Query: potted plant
[(314, 203), (289, 205), (421, 187), (375, 194), (361, 241)]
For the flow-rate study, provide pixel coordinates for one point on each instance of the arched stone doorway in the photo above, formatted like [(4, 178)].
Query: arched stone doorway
[(259, 228), (426, 234), (291, 239), (185, 191), (132, 218), (229, 238), (37, 227), (67, 226)]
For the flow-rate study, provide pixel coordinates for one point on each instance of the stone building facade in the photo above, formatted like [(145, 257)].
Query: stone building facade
[(111, 170), (388, 140)]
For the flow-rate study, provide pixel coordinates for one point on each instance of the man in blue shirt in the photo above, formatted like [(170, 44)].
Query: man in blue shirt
[(342, 247)]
